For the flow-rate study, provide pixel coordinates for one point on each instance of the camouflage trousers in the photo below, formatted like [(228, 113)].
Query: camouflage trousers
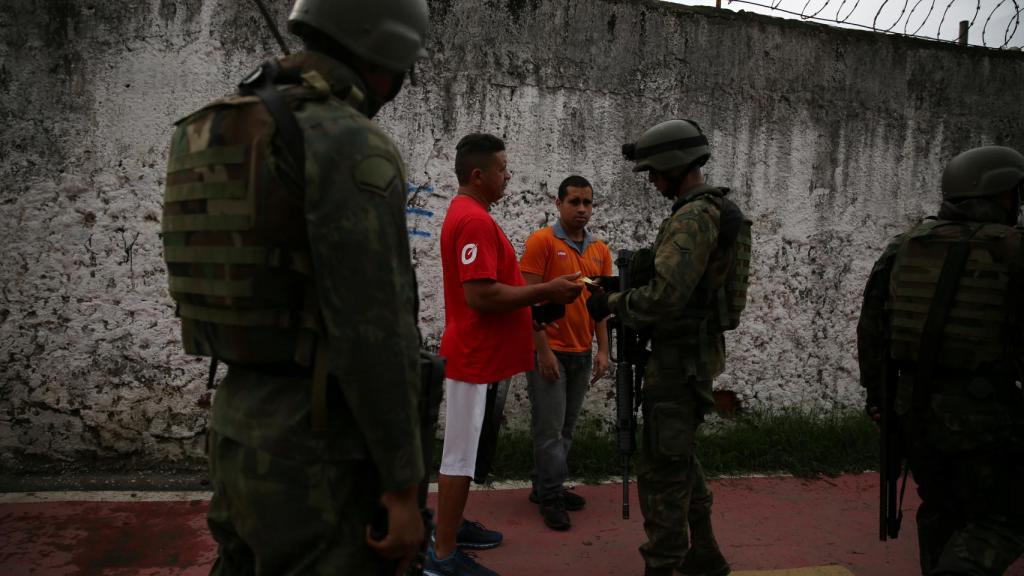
[(271, 515), (674, 496), (971, 519)]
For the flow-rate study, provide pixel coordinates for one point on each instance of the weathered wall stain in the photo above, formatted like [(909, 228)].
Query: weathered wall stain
[(832, 140)]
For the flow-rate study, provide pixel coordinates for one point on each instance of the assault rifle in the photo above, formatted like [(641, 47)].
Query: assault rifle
[(431, 389), (629, 355), (890, 516)]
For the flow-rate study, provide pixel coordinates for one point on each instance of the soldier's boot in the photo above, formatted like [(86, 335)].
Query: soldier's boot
[(704, 563), (704, 558), (934, 529)]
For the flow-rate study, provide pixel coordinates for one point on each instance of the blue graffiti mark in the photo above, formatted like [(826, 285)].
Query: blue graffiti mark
[(420, 212), (412, 189)]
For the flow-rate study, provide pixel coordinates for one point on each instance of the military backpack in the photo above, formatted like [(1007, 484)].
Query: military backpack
[(955, 282), (734, 243), (233, 228)]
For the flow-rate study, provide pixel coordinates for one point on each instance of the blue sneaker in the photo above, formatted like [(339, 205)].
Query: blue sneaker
[(458, 563), (474, 535)]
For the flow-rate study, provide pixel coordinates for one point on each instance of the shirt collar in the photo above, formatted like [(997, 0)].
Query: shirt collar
[(588, 238)]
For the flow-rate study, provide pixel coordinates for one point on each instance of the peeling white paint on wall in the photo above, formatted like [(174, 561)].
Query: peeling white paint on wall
[(832, 140)]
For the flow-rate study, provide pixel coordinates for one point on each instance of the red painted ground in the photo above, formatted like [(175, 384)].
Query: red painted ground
[(762, 523)]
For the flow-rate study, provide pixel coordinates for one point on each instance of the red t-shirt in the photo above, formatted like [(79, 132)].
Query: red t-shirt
[(480, 348)]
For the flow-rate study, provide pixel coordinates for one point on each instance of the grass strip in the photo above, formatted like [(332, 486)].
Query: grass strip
[(790, 441)]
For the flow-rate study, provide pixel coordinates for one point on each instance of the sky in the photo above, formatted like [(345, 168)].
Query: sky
[(905, 16)]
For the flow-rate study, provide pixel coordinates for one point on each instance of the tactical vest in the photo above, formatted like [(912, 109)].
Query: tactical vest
[(954, 333), (234, 234), (977, 331), (718, 299)]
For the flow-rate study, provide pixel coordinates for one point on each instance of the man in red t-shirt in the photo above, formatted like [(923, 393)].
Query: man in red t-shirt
[(566, 365), (488, 338)]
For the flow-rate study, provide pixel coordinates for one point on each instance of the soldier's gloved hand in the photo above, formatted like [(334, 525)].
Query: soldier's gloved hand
[(597, 306), (609, 283)]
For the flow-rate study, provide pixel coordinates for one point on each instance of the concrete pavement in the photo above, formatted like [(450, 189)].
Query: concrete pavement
[(785, 525)]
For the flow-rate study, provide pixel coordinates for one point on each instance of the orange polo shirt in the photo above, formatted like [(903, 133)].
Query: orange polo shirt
[(549, 253)]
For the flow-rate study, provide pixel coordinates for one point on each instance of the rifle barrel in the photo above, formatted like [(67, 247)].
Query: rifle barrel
[(625, 488)]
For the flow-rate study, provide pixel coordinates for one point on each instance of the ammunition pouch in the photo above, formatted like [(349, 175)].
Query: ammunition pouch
[(670, 424)]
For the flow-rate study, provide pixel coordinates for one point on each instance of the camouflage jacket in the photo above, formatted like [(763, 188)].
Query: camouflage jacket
[(363, 275), (675, 305)]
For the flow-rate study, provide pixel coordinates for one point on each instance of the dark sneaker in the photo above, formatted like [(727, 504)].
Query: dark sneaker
[(573, 501), (474, 535), (555, 516), (458, 563), (704, 563)]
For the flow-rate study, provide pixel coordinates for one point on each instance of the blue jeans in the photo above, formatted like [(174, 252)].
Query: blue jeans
[(554, 407)]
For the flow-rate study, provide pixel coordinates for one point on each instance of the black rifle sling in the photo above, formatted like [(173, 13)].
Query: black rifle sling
[(938, 313), (263, 85)]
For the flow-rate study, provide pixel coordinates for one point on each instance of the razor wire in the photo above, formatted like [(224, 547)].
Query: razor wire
[(910, 17)]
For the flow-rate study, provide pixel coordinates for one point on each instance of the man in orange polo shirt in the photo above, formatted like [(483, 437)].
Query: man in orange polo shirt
[(565, 368)]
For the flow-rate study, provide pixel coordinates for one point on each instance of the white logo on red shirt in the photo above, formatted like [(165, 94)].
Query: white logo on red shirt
[(469, 253), (562, 253)]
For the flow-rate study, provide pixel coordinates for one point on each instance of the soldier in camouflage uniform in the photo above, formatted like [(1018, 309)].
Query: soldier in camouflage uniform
[(679, 308), (941, 330), (287, 251)]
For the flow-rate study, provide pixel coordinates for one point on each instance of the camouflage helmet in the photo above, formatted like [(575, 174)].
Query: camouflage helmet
[(671, 144), (388, 33), (984, 171)]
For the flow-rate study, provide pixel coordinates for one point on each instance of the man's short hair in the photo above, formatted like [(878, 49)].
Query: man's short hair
[(475, 151), (574, 181)]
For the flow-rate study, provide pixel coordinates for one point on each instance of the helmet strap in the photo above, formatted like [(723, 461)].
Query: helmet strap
[(675, 184)]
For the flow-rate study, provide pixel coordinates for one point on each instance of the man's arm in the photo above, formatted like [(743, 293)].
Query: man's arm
[(366, 286), (601, 361), (682, 256), (547, 364), (490, 296), (871, 328)]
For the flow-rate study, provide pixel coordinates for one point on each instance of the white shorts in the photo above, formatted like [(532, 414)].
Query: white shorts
[(463, 419)]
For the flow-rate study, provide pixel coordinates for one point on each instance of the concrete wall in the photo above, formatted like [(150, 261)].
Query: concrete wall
[(832, 140)]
